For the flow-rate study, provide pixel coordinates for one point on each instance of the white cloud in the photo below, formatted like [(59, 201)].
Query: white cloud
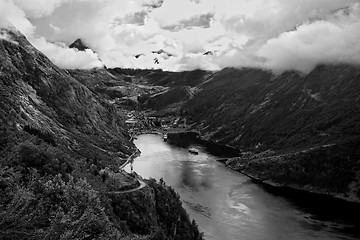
[(38, 8), (335, 40), (68, 58), (276, 34), (11, 14), (16, 13), (173, 11)]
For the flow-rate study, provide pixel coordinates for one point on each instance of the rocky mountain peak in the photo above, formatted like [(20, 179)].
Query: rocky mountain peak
[(79, 45)]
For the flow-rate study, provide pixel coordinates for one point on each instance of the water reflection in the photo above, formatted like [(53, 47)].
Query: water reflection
[(228, 205)]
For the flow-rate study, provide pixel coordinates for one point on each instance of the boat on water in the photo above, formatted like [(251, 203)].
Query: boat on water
[(193, 151), (165, 137)]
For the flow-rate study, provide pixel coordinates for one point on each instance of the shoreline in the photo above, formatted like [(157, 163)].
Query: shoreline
[(282, 188), (285, 189)]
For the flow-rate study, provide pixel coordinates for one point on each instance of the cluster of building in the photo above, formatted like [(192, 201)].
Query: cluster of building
[(140, 122)]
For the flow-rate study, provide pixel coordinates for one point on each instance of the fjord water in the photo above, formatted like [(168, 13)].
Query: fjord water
[(229, 205)]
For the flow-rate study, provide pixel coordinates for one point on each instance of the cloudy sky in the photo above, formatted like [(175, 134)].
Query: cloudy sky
[(190, 34)]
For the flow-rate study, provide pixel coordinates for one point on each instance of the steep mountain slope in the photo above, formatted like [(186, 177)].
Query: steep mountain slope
[(37, 93), (295, 130), (171, 99), (251, 108), (59, 143)]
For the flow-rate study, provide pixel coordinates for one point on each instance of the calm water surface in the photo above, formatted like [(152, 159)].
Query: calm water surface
[(228, 205)]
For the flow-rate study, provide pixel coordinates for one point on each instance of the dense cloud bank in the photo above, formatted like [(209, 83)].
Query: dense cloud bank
[(175, 35)]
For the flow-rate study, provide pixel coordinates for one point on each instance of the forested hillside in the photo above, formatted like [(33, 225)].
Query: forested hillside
[(293, 129)]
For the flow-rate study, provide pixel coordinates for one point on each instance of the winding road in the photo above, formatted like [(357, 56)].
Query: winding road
[(142, 184)]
